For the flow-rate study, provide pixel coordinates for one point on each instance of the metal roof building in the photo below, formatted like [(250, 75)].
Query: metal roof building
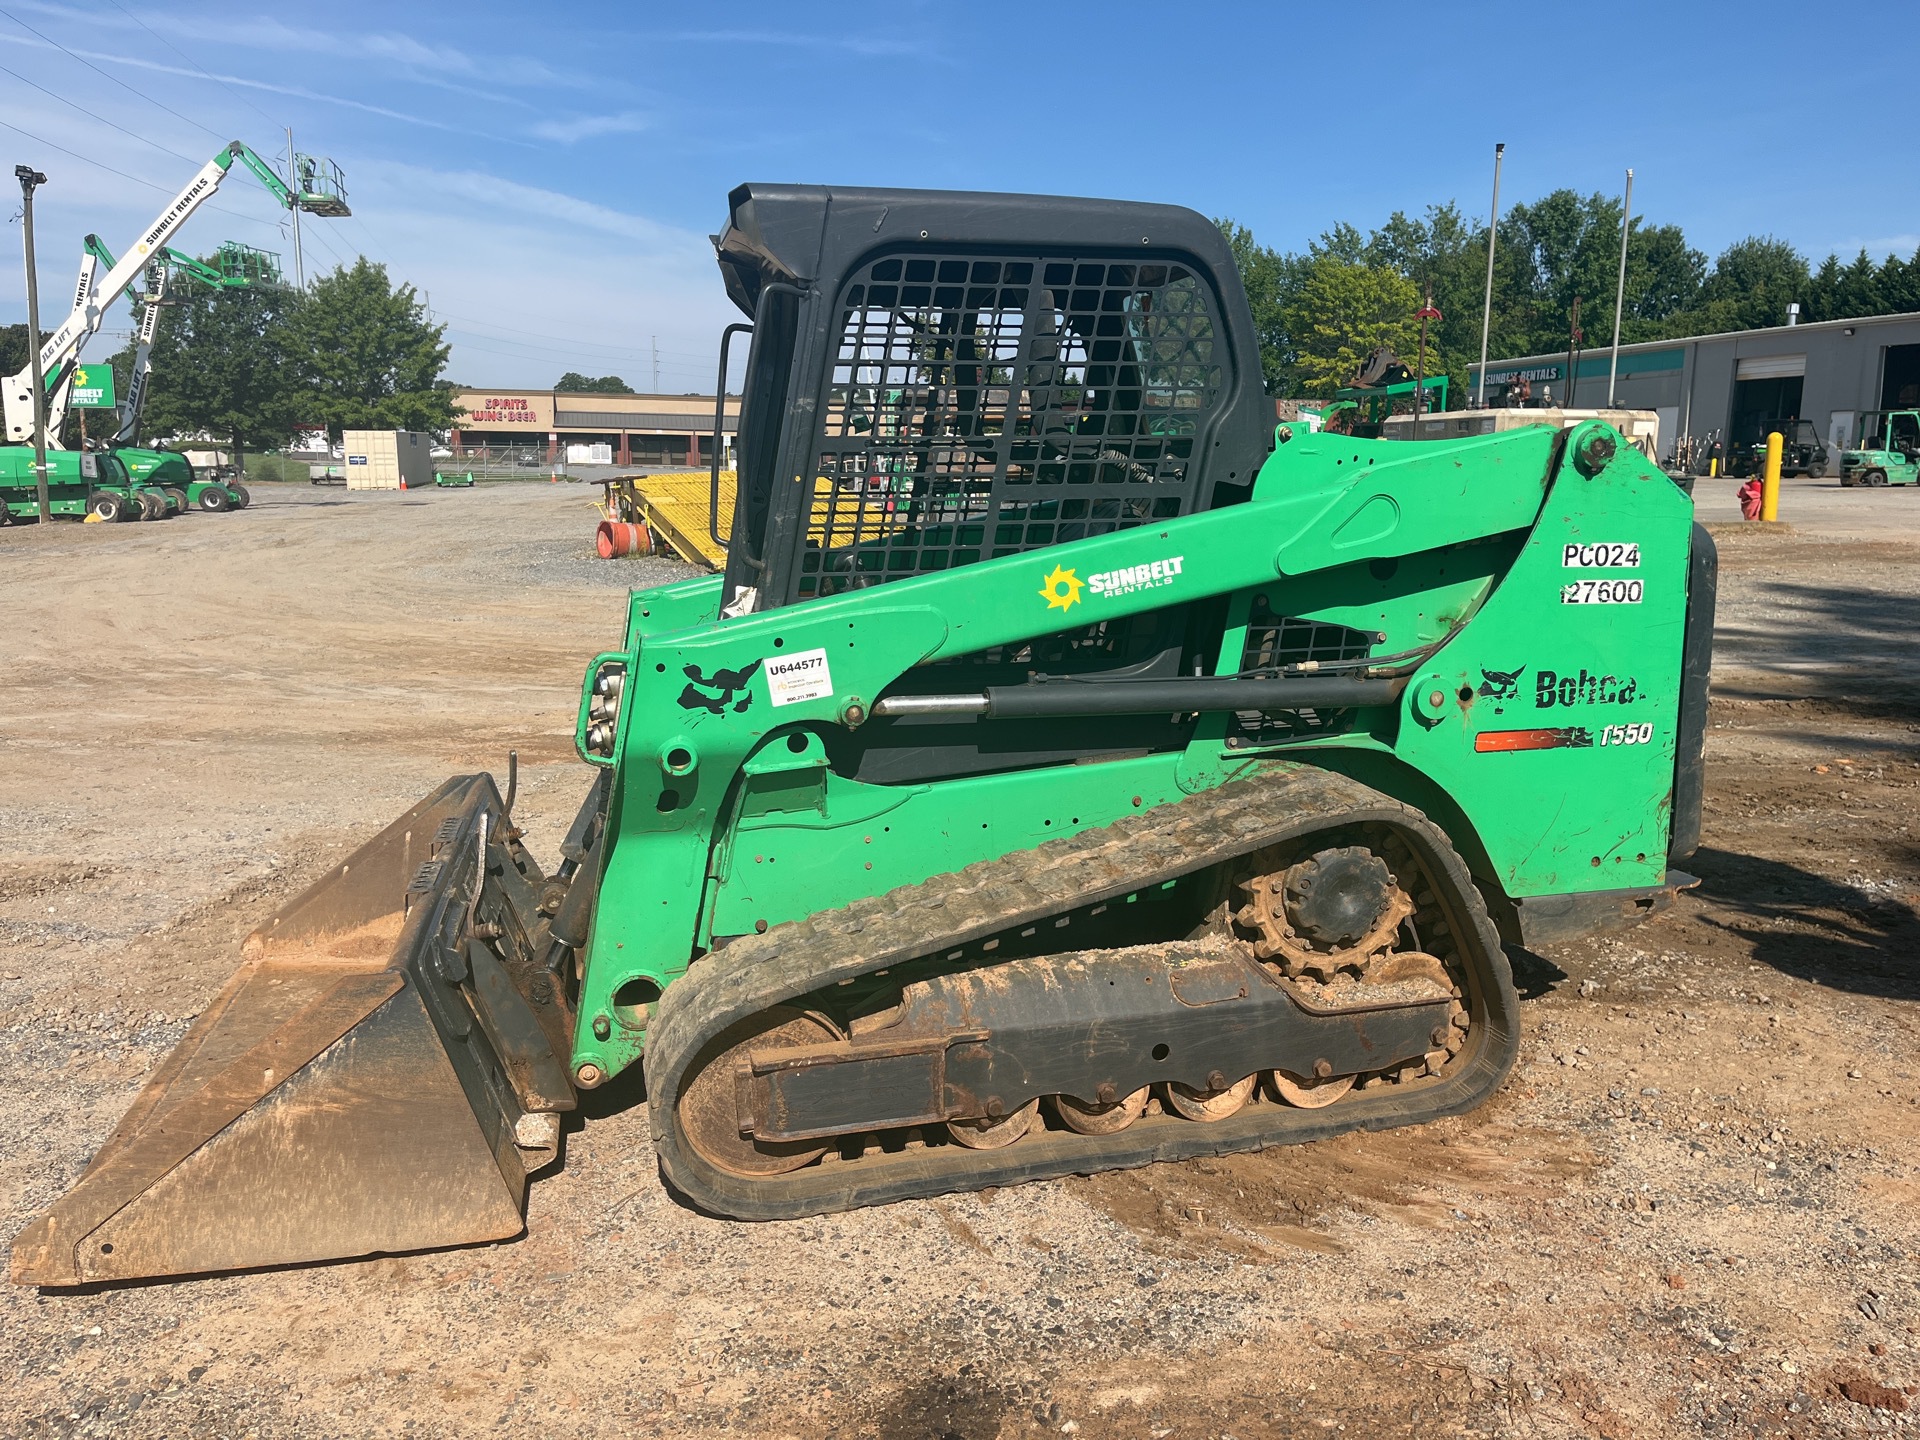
[(1728, 387)]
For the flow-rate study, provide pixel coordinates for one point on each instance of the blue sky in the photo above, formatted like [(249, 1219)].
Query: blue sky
[(549, 177)]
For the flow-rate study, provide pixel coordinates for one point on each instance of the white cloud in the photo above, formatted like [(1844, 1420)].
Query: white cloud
[(425, 61), (870, 45), (516, 269), (294, 91), (513, 204), (587, 127)]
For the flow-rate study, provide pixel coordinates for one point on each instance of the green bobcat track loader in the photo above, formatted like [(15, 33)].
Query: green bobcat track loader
[(1070, 769)]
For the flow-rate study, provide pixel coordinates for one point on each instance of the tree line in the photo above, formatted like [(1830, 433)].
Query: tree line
[(253, 366), (1318, 313)]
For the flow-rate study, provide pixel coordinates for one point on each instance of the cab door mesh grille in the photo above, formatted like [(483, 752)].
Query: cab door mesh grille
[(978, 406)]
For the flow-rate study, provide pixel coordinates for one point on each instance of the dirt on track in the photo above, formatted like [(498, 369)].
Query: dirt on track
[(1691, 1211)]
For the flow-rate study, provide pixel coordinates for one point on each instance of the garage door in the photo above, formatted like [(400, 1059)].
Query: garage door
[(1771, 367)]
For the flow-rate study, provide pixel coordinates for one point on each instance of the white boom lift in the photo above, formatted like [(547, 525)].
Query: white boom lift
[(320, 193)]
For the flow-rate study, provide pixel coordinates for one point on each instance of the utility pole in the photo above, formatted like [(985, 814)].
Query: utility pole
[(29, 178), (656, 364), (1486, 313), (293, 184), (1576, 341), (1427, 312), (1620, 289)]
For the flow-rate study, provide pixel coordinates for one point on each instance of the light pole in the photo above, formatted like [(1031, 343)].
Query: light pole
[(1620, 289), (1486, 312), (29, 178)]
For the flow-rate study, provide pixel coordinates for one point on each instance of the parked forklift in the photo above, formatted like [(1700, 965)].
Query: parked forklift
[(1887, 452), (1135, 779)]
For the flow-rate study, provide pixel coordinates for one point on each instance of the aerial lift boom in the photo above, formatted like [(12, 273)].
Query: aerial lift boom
[(93, 295)]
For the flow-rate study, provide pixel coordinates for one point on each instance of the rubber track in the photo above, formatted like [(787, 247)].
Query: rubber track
[(992, 896)]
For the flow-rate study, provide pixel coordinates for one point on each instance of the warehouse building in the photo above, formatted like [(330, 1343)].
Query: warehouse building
[(1731, 388), (640, 429)]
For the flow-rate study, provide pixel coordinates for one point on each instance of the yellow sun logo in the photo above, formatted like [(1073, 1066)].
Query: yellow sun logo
[(1062, 589)]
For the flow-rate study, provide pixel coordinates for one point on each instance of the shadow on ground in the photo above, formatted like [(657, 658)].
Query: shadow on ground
[(1813, 928), (1851, 631)]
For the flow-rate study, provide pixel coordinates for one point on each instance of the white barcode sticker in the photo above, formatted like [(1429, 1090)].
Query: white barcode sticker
[(793, 678)]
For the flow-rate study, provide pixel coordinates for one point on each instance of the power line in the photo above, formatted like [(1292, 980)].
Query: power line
[(189, 59), (380, 249), (571, 343), (99, 165), (115, 78), (166, 150), (521, 355), (688, 362), (506, 337), (320, 235)]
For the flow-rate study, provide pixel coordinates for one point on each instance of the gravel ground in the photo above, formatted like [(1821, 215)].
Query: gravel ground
[(1690, 1212)]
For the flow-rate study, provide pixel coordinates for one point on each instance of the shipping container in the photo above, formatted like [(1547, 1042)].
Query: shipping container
[(388, 459)]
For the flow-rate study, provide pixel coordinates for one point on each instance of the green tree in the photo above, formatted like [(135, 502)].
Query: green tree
[(1750, 287), (576, 383), (1899, 285), (223, 365), (1270, 280), (368, 356), (1664, 275), (1343, 311), (1441, 252), (13, 349)]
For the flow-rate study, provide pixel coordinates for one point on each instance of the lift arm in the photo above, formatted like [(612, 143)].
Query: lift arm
[(147, 308), (129, 430)]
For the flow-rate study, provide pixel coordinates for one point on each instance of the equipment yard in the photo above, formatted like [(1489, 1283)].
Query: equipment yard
[(1691, 1210)]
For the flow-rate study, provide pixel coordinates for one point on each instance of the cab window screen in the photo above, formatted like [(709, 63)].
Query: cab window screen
[(977, 407)]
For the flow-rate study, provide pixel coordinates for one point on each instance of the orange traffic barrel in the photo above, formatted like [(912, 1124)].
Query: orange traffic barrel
[(614, 538)]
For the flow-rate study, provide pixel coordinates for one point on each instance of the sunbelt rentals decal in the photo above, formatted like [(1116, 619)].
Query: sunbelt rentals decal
[(1063, 588)]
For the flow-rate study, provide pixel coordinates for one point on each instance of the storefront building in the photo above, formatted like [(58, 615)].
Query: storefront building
[(673, 430)]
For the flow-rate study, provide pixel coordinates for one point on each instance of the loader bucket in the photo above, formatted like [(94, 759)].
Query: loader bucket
[(381, 1074)]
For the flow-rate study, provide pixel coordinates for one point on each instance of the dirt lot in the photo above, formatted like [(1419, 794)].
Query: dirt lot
[(1691, 1212)]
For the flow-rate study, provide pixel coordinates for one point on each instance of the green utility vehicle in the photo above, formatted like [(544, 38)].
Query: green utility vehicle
[(1888, 451), (175, 473), (78, 483), (1132, 779), (1802, 451)]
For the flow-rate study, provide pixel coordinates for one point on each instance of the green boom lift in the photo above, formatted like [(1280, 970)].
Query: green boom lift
[(1129, 779), (235, 266)]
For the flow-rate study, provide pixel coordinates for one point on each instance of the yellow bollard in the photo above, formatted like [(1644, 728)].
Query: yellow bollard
[(1770, 486), (1713, 467)]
